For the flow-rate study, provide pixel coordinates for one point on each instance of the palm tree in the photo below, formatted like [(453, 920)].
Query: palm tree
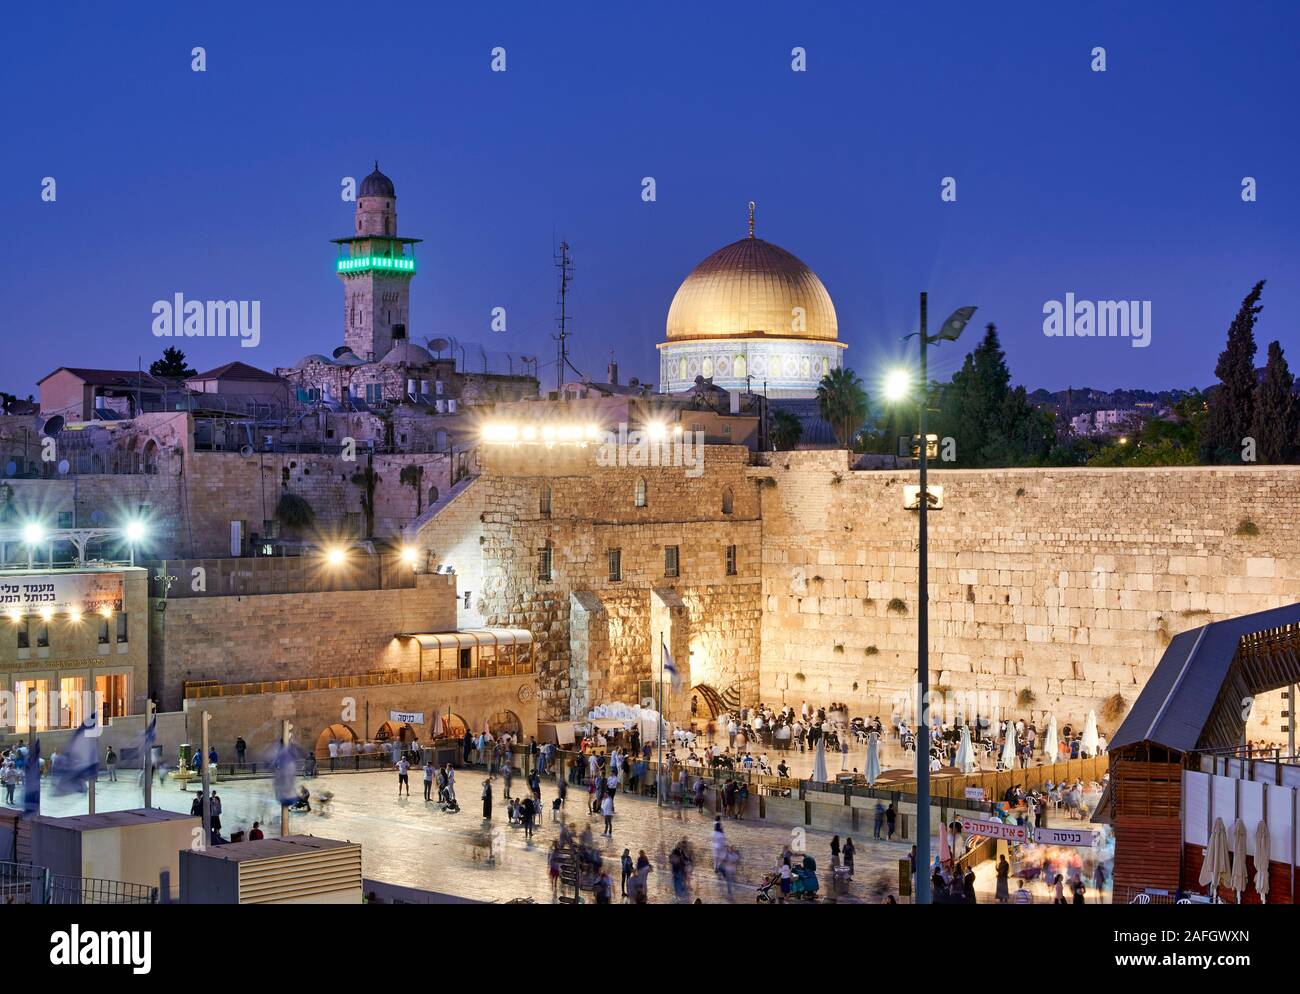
[(843, 403), (784, 430)]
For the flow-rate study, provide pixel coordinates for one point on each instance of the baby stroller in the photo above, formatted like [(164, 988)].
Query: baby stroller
[(764, 889), (450, 806)]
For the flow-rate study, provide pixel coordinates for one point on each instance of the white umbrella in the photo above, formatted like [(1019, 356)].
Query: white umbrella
[(819, 761), (1009, 748), (873, 759), (1215, 870), (965, 760), (1263, 854), (1239, 879), (945, 849), (1049, 742), (1089, 743), (438, 727)]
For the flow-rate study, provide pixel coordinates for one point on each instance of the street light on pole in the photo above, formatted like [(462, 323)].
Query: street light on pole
[(896, 386)]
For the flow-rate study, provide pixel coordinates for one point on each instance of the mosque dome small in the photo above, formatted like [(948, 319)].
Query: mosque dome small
[(377, 185)]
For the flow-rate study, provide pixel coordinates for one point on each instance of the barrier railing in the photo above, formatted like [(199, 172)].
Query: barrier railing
[(26, 883), (202, 690)]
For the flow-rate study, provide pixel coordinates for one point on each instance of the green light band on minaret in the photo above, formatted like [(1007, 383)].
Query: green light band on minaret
[(363, 263)]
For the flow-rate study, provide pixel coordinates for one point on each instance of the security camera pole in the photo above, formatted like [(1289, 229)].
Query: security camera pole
[(207, 776)]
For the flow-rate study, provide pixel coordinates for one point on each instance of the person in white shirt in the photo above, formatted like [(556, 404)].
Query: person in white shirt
[(403, 768), (607, 810), (428, 780), (1022, 895)]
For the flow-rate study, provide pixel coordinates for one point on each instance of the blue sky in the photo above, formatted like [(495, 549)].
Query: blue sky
[(225, 184)]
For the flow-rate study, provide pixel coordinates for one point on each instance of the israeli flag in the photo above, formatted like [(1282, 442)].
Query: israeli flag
[(670, 667), (79, 763), (32, 780)]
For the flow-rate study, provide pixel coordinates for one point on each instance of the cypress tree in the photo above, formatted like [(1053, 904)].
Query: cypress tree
[(1274, 430), (1232, 405)]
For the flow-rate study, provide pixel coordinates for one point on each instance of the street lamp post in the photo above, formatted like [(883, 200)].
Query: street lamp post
[(950, 331)]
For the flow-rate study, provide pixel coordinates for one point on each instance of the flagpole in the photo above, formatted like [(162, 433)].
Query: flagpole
[(207, 774), (148, 756), (659, 787), (284, 757)]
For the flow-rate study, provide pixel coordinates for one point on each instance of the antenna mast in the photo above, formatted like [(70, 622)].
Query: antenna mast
[(565, 265)]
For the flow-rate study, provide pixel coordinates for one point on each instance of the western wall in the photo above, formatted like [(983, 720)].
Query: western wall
[(1053, 591)]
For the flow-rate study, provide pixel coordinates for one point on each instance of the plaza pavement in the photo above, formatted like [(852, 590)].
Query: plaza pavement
[(414, 844)]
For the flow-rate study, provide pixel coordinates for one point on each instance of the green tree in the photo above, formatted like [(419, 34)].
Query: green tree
[(842, 401), (1231, 414), (172, 365), (992, 423), (1171, 441), (784, 430), (1274, 429)]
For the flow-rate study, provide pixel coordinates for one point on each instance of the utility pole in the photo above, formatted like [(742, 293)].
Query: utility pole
[(207, 783), (923, 653)]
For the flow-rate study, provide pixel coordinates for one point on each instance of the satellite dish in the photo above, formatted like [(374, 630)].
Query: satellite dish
[(53, 425), (245, 451), (439, 344), (64, 466)]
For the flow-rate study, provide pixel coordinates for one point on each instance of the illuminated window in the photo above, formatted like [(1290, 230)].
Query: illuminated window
[(31, 698), (639, 497), (72, 708), (544, 500), (122, 631), (544, 562), (731, 560)]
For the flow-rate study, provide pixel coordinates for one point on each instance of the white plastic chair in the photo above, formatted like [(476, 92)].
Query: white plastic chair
[(1141, 899)]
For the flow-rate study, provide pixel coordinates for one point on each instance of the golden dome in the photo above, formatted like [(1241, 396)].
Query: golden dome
[(750, 289)]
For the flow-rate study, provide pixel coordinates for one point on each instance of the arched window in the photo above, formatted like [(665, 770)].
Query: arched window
[(433, 496), (739, 368), (640, 496), (544, 499), (726, 500)]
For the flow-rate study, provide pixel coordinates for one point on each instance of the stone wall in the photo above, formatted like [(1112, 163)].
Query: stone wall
[(1066, 584), (715, 639), (290, 636)]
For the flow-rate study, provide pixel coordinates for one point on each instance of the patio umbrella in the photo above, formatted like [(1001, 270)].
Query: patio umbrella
[(1049, 742), (1215, 870), (1009, 748), (1239, 879), (945, 848), (965, 760), (1089, 742), (819, 761), (873, 759), (438, 727), (1263, 854)]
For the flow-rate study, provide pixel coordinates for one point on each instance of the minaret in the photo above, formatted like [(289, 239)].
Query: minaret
[(376, 272)]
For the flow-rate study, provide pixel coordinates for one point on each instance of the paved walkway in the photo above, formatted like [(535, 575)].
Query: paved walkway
[(411, 843)]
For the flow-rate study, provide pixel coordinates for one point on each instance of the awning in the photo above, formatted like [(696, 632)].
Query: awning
[(471, 637)]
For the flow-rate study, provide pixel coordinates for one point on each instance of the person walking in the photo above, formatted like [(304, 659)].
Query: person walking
[(848, 854), (214, 812), (880, 819), (403, 779), (528, 814), (428, 778), (110, 762), (487, 799), (241, 749), (891, 818), (607, 810)]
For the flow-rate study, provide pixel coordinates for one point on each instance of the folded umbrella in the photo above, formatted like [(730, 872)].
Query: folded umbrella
[(1263, 855)]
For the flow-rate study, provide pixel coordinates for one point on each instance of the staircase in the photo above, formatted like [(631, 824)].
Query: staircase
[(434, 509)]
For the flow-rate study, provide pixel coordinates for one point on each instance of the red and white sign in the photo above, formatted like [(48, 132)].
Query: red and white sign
[(994, 829)]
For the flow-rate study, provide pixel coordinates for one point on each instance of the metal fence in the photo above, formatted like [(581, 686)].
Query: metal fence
[(26, 883)]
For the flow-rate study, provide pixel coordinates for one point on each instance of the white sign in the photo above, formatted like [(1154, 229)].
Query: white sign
[(1064, 837), (994, 829), (974, 793), (61, 593), (406, 717), (912, 497)]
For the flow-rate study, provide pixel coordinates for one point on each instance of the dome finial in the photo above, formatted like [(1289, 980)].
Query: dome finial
[(751, 218)]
